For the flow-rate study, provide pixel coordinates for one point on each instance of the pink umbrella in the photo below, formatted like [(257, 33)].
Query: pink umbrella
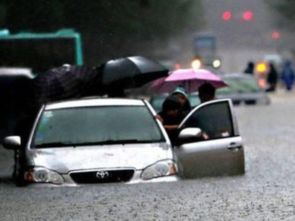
[(190, 79)]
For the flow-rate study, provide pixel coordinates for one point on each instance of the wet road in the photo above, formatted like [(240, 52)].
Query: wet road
[(265, 192)]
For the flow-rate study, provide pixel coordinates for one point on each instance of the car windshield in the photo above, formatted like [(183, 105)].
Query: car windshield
[(96, 125)]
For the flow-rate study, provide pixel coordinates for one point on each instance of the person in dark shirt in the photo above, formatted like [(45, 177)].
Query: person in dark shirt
[(250, 68), (170, 116), (272, 78), (185, 105), (206, 92)]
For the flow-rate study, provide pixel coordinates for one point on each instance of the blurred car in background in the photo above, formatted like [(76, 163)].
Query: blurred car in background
[(242, 89), (15, 84)]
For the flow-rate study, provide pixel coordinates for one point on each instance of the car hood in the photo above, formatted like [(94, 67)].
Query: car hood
[(67, 159)]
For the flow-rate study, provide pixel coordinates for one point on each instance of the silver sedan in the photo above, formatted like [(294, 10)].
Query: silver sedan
[(120, 140)]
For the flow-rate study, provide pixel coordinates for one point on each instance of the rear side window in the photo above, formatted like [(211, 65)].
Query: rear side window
[(214, 119)]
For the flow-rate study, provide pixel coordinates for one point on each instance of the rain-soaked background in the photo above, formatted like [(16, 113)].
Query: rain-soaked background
[(246, 30), (160, 29)]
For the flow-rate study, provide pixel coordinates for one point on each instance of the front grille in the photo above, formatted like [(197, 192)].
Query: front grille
[(102, 176)]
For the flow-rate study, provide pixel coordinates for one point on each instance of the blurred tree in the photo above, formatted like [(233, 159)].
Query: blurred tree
[(144, 3), (106, 25), (286, 8), (3, 10), (35, 15)]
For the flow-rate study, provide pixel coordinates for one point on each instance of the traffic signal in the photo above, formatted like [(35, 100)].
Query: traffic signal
[(226, 15), (248, 15), (275, 35)]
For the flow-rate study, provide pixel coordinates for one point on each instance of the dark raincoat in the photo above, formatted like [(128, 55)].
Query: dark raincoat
[(171, 103), (272, 78), (288, 75), (250, 68)]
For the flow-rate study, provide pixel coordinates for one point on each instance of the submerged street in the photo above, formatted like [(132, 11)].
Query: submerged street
[(265, 192), (65, 51)]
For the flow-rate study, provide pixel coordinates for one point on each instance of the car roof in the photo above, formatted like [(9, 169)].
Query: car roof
[(236, 75), (97, 101)]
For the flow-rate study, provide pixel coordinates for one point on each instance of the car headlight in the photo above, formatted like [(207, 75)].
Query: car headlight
[(159, 169), (43, 175)]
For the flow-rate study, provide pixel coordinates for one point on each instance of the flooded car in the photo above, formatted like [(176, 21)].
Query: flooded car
[(96, 141), (120, 140)]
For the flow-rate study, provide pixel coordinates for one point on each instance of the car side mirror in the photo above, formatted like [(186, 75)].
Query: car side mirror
[(190, 133), (12, 142)]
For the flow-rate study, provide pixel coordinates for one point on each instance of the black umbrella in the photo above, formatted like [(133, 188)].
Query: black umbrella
[(65, 82), (129, 72), (112, 78)]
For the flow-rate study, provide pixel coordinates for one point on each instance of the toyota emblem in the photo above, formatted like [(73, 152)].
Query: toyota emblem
[(102, 174)]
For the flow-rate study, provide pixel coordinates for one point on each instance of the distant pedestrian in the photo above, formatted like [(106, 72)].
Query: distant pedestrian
[(250, 68), (288, 75), (272, 78)]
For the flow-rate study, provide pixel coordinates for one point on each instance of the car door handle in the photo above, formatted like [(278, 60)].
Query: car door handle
[(234, 146)]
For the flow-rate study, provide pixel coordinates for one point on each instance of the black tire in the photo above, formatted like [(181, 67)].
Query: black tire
[(250, 102), (19, 171)]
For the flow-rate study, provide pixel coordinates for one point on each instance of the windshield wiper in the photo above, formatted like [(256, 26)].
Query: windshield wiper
[(127, 141), (54, 144), (61, 144)]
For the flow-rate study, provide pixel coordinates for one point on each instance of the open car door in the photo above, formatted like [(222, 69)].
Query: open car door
[(209, 143)]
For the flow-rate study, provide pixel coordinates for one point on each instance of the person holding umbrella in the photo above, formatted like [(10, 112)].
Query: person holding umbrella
[(189, 78), (176, 106), (206, 92)]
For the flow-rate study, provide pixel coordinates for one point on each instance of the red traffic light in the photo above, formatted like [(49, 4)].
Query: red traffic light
[(248, 15), (275, 35), (226, 15)]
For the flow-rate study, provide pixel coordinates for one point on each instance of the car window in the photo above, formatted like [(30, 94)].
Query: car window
[(194, 99), (157, 102), (213, 119), (78, 126)]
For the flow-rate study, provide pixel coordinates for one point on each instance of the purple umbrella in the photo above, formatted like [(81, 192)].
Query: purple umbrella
[(190, 79)]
